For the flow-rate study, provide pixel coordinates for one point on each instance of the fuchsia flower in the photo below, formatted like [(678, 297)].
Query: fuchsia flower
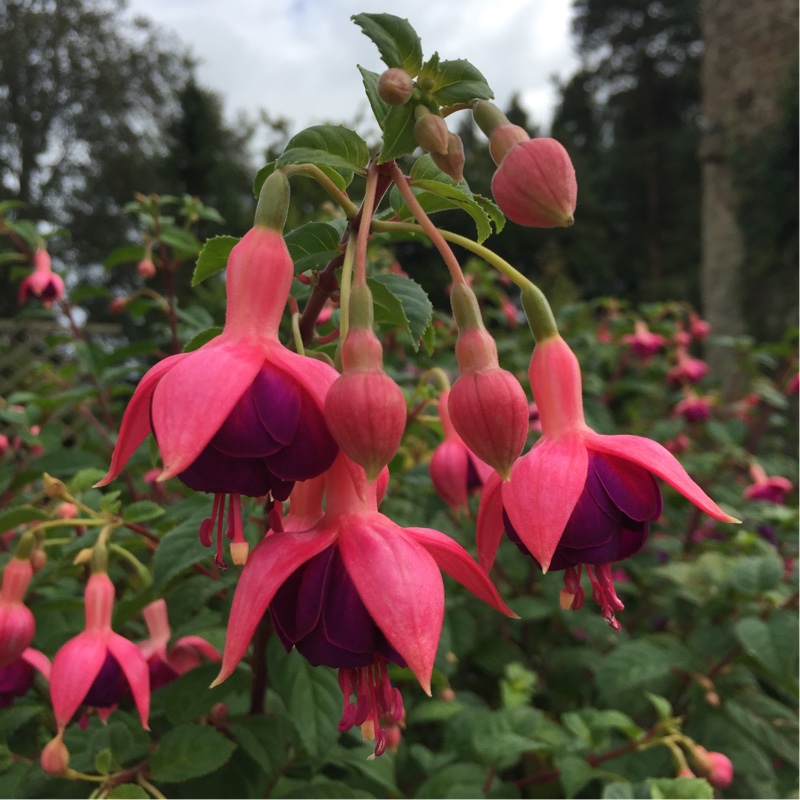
[(17, 677), (715, 767), (771, 490), (643, 342), (355, 592), (687, 369), (578, 497), (694, 407), (42, 283), (98, 667), (17, 625), (242, 415), (698, 327), (455, 470), (184, 655)]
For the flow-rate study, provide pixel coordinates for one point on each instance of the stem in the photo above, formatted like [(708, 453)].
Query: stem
[(140, 569), (350, 254), (367, 209), (258, 690), (313, 171), (430, 230), (298, 339), (147, 786)]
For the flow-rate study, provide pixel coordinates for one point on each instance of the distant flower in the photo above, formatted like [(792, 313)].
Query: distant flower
[(42, 283), (17, 677), (694, 407), (770, 490), (643, 342), (687, 369)]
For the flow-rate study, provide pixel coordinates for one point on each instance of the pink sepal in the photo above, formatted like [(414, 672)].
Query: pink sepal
[(453, 559), (38, 661), (136, 420), (545, 486), (272, 561), (105, 713), (134, 667), (448, 470), (658, 460), (75, 667), (185, 654), (202, 389), (400, 585), (490, 526)]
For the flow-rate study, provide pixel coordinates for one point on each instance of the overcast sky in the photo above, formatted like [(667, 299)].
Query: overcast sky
[(297, 58)]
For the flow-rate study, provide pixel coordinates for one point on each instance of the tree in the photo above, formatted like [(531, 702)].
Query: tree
[(83, 91)]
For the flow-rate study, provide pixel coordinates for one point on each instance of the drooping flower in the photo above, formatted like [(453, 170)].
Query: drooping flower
[(693, 407), (165, 665), (354, 592), (643, 342), (698, 327), (455, 470), (17, 677), (42, 283), (687, 369), (17, 625), (773, 489), (578, 497), (98, 667), (242, 415)]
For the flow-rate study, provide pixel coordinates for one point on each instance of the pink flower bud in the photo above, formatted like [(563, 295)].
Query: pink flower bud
[(535, 184), (146, 268), (4, 444), (16, 620), (67, 511), (694, 408), (119, 304), (430, 131), (452, 161), (55, 756), (487, 405), (715, 767), (395, 86), (364, 408)]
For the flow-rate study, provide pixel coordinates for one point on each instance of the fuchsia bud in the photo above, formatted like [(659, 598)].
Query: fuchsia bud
[(55, 756), (4, 444), (535, 184), (505, 137), (365, 409), (16, 620), (395, 86), (452, 160), (715, 767), (146, 268), (67, 511), (430, 131), (487, 405)]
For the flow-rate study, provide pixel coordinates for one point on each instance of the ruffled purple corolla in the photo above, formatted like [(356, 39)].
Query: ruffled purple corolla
[(242, 415)]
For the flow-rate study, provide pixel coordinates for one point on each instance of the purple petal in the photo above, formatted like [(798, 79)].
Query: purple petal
[(109, 687), (215, 472), (243, 434), (632, 488), (278, 401)]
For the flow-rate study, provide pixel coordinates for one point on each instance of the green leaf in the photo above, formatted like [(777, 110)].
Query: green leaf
[(753, 575), (125, 254), (18, 516), (103, 761), (455, 81), (189, 697), (617, 790), (25, 229), (631, 667), (380, 108), (314, 244), (398, 133), (183, 241), (213, 257), (13, 718), (261, 176), (330, 145), (772, 643), (396, 40), (456, 197), (178, 550), (311, 695), (575, 774), (403, 302), (11, 205), (204, 337), (189, 751), (84, 479), (680, 788), (12, 257), (265, 740), (128, 791), (142, 511)]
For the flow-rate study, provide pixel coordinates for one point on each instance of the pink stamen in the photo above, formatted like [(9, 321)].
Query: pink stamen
[(275, 516), (604, 594), (219, 559)]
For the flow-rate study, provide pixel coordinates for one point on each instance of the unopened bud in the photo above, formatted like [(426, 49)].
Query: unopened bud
[(53, 487), (395, 86), (504, 138), (146, 268), (430, 131), (55, 757), (452, 162), (67, 511), (119, 304)]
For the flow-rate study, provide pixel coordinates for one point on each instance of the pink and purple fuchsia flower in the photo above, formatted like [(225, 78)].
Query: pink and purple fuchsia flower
[(578, 497), (242, 415)]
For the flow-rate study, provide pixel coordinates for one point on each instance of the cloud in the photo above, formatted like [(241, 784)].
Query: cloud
[(297, 58)]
